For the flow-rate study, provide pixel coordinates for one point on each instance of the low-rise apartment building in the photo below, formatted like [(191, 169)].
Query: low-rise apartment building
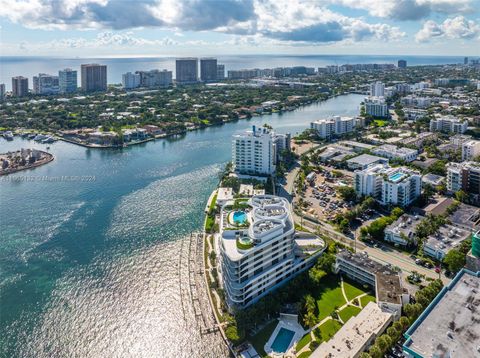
[(402, 231), (419, 139), (356, 335), (446, 238), (448, 124), (391, 151), (386, 282), (363, 161)]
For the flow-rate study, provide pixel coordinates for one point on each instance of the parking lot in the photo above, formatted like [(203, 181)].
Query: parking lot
[(321, 197)]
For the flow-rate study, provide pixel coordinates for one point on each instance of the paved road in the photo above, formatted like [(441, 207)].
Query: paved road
[(385, 255), (290, 178), (396, 258)]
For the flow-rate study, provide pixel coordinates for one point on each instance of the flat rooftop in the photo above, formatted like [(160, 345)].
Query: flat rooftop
[(366, 159), (433, 179), (351, 143), (467, 217), (352, 338), (224, 194), (450, 326), (394, 149), (389, 287), (405, 224), (388, 282), (447, 238)]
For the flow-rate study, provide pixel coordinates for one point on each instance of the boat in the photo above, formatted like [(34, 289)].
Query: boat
[(39, 137), (8, 135), (48, 139)]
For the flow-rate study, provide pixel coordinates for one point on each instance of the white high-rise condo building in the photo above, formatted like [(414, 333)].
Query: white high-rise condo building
[(67, 80), (155, 78), (470, 149), (377, 89), (130, 80), (45, 84), (263, 251), (334, 126), (395, 186), (376, 107), (448, 124), (253, 152)]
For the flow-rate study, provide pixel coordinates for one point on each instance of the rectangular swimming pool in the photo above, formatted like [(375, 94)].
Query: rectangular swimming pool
[(282, 340), (397, 176)]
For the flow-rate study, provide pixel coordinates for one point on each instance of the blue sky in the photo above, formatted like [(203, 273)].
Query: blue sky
[(87, 28)]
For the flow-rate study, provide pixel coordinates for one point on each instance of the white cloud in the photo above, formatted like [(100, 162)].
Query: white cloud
[(105, 39), (310, 22), (280, 20), (453, 28), (409, 9)]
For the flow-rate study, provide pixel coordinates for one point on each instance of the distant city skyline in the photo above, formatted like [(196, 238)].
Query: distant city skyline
[(112, 28)]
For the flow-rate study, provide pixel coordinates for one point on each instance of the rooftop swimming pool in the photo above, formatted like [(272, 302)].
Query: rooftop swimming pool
[(239, 217), (397, 176), (282, 340)]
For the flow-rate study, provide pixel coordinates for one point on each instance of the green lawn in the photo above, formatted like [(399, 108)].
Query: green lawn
[(213, 203), (303, 342), (352, 290), (328, 329), (259, 339), (329, 296), (380, 122), (305, 354), (209, 223), (348, 312), (365, 299)]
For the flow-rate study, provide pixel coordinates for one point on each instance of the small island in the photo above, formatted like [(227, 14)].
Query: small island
[(22, 159)]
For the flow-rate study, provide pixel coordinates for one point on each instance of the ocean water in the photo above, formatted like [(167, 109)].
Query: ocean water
[(91, 268), (31, 66)]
